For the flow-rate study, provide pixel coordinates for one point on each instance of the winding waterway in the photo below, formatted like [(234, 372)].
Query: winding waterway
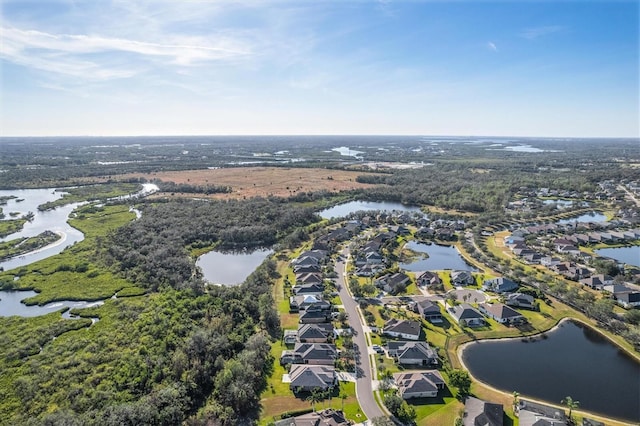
[(53, 220), (11, 304), (571, 360)]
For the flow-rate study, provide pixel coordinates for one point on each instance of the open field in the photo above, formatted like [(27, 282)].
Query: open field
[(263, 181)]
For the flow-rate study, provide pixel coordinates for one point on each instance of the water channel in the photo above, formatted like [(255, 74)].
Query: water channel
[(440, 257), (570, 360), (11, 304), (53, 220), (343, 210), (230, 268)]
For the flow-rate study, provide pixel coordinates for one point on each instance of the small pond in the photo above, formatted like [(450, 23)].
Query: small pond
[(230, 268), (571, 360), (629, 255), (559, 202), (440, 257), (11, 304), (343, 210), (587, 217)]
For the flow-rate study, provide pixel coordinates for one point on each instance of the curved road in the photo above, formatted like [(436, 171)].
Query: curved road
[(364, 376)]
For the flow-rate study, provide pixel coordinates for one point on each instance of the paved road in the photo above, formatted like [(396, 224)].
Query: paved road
[(364, 389)]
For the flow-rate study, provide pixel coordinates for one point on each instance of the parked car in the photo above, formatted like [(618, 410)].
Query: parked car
[(378, 349)]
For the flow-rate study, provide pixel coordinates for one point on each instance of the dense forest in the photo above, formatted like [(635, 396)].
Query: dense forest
[(154, 251), (179, 352)]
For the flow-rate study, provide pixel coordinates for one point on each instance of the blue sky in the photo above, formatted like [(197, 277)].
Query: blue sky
[(126, 67)]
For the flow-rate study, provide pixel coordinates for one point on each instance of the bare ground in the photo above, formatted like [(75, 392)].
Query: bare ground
[(263, 181)]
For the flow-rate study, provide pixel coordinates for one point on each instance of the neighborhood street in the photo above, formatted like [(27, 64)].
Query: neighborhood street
[(364, 381)]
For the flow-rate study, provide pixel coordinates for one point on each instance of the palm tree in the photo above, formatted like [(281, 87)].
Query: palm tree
[(343, 396), (316, 396), (571, 404)]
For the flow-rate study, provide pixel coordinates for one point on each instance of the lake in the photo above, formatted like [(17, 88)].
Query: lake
[(587, 217), (11, 304), (343, 210), (230, 268), (571, 360), (440, 257), (629, 255)]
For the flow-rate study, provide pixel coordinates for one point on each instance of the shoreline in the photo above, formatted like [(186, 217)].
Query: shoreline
[(584, 413)]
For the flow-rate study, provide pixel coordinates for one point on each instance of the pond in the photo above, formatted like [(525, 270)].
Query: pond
[(11, 304), (629, 255), (440, 257), (571, 360), (343, 210), (559, 202), (230, 268), (347, 152), (587, 217)]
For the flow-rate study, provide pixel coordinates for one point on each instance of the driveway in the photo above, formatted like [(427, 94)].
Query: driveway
[(364, 377)]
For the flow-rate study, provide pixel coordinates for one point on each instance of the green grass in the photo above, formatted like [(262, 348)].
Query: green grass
[(74, 274), (8, 227), (92, 193)]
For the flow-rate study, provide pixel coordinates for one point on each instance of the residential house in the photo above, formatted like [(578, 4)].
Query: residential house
[(310, 278), (597, 282), (328, 417), (314, 317), (412, 353), (404, 329), (429, 310), (459, 278), (392, 283), (520, 300), (308, 289), (308, 302), (307, 269), (535, 414), (499, 285), (502, 313), (307, 378), (465, 314), (315, 333), (428, 278), (628, 300), (310, 353), (424, 384), (482, 413)]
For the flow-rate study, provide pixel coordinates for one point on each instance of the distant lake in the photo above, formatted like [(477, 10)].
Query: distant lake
[(347, 152), (230, 268), (587, 217), (572, 360), (629, 255), (11, 304), (440, 257), (346, 209)]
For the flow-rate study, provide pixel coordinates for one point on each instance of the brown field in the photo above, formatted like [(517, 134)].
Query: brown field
[(263, 181)]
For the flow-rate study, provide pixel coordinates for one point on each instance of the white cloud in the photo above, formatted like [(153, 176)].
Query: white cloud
[(492, 46), (534, 33)]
